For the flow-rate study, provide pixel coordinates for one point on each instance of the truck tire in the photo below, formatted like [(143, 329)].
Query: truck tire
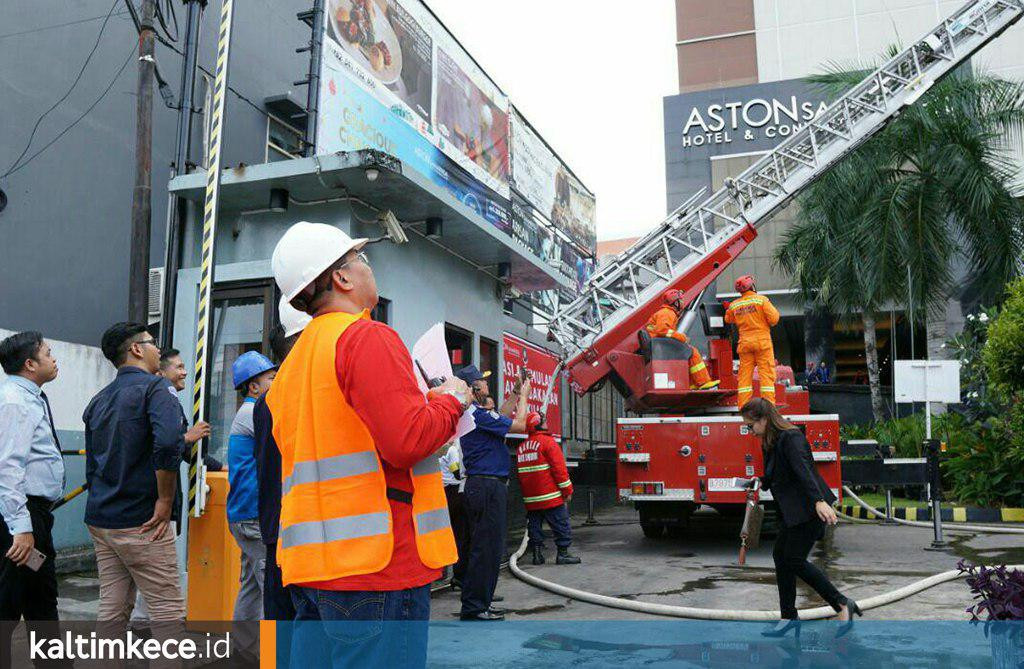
[(652, 530)]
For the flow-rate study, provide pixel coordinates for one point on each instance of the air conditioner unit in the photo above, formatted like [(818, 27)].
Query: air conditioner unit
[(156, 293)]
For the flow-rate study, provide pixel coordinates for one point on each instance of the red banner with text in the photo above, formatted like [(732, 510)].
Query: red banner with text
[(541, 365)]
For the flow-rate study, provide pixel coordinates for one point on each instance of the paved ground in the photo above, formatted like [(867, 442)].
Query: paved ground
[(699, 569)]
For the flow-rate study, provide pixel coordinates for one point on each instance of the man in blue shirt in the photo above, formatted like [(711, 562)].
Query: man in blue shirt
[(31, 478), (252, 374), (487, 464), (133, 444)]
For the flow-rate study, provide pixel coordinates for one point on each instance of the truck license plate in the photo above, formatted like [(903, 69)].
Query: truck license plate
[(722, 485)]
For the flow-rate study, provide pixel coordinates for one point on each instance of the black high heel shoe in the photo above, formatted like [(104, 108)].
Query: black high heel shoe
[(782, 628), (854, 610)]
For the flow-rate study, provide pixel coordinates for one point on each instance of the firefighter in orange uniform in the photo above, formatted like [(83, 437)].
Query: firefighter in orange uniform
[(663, 324), (754, 315), (544, 480)]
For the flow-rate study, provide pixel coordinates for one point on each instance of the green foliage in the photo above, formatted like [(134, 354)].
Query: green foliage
[(983, 466), (983, 462), (979, 400), (1003, 353)]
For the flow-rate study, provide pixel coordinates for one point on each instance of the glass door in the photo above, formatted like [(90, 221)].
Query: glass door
[(242, 320)]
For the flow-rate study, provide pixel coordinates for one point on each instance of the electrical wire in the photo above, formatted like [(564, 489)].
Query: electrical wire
[(173, 47), (54, 26), (80, 117), (161, 17), (14, 166)]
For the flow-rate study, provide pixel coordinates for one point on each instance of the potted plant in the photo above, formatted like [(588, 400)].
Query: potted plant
[(999, 602)]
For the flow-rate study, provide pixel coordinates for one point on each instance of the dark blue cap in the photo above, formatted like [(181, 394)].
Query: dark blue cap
[(470, 374)]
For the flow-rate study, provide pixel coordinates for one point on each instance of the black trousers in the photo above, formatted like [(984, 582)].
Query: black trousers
[(792, 547), (28, 594), (485, 499), (460, 528)]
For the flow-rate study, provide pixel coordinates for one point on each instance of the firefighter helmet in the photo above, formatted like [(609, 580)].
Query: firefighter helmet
[(672, 296), (533, 421), (744, 283)]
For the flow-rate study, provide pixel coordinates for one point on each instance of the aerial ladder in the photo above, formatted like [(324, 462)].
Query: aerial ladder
[(600, 329), (697, 241)]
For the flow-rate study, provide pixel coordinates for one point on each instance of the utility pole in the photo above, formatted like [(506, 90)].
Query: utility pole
[(176, 205), (138, 278)]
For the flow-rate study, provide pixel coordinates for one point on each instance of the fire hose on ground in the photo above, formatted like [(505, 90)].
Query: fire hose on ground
[(951, 526), (754, 615), (674, 611)]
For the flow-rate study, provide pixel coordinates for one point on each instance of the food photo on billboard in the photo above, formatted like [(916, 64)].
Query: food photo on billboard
[(387, 41), (469, 119)]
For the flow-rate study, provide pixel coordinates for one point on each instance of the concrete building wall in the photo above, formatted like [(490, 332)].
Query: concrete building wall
[(66, 229)]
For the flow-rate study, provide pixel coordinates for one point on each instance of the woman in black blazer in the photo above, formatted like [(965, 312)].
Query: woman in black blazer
[(805, 506)]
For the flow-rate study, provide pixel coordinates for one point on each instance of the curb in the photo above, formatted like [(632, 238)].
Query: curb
[(957, 514)]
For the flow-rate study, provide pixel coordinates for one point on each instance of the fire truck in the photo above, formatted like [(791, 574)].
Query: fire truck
[(685, 446)]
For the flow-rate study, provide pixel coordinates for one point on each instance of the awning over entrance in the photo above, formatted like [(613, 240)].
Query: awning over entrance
[(412, 197)]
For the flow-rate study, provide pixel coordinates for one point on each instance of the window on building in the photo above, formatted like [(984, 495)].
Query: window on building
[(460, 346), (242, 319), (489, 363), (284, 141), (382, 312)]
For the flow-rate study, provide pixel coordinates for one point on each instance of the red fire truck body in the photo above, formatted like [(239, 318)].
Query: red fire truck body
[(689, 444), (668, 465)]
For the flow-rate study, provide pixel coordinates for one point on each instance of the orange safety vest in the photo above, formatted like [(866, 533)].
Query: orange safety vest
[(335, 516)]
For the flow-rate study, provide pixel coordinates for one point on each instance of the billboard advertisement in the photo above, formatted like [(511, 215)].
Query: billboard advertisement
[(541, 365), (393, 78), (547, 184)]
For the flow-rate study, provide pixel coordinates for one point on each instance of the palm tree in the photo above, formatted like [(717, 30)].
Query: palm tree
[(929, 192)]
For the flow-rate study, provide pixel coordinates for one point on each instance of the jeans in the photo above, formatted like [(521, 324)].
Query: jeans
[(360, 628), (558, 519), (792, 547), (485, 499)]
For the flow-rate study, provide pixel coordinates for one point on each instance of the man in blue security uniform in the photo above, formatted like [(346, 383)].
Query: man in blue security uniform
[(252, 374), (487, 464)]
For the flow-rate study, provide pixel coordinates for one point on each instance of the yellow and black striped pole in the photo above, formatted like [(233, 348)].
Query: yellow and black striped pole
[(196, 469)]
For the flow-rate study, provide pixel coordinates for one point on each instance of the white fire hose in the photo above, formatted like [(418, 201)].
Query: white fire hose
[(946, 525), (752, 615), (722, 614)]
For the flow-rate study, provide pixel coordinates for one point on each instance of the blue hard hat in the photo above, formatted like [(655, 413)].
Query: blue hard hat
[(248, 366)]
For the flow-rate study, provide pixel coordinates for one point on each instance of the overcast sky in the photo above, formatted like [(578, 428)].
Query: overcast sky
[(590, 75)]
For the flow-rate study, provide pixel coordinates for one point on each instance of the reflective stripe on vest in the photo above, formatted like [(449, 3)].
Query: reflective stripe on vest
[(745, 389), (742, 303), (542, 498), (565, 484), (533, 468), (335, 529), (336, 467), (698, 367), (767, 389), (431, 521)]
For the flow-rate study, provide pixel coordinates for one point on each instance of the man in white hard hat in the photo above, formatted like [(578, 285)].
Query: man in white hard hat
[(364, 526)]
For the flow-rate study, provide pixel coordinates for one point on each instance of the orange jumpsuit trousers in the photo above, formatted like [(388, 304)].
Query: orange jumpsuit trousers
[(754, 315), (663, 324)]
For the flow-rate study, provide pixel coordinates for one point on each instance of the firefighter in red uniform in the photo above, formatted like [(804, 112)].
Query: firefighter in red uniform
[(663, 324), (547, 490)]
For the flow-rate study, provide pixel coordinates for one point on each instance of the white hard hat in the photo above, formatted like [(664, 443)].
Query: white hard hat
[(305, 251), (292, 320)]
